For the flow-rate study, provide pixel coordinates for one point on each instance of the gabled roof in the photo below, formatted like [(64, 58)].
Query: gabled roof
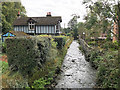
[(31, 20), (49, 20)]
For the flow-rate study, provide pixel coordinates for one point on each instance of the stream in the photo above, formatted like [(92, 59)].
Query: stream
[(76, 71)]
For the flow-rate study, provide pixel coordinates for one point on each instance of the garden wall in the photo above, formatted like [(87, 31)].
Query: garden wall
[(85, 48)]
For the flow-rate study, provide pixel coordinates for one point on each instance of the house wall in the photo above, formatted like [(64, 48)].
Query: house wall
[(23, 28), (48, 29), (45, 29)]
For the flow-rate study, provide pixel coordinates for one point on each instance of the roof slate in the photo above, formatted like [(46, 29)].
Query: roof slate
[(49, 20)]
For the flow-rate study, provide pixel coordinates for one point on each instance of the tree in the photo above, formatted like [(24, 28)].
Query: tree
[(66, 30), (72, 25), (9, 14), (105, 10), (108, 11), (75, 33), (99, 17), (73, 22)]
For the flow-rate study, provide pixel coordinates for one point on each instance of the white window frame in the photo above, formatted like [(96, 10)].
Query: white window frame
[(30, 25)]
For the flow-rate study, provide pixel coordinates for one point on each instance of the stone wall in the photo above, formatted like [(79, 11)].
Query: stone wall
[(85, 48)]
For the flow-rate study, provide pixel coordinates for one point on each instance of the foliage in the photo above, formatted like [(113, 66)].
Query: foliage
[(75, 33), (110, 45), (105, 56), (73, 22), (103, 13), (3, 66), (60, 42), (26, 53), (13, 80), (45, 75), (69, 34), (41, 73), (41, 83), (91, 43), (9, 14), (3, 47), (108, 72), (66, 30), (53, 44), (48, 36), (104, 59)]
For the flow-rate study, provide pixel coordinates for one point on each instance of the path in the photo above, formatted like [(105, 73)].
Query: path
[(77, 72)]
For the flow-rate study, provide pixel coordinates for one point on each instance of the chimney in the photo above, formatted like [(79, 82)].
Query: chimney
[(48, 14), (18, 15)]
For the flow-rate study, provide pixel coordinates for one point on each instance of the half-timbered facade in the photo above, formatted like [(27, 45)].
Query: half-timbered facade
[(38, 25)]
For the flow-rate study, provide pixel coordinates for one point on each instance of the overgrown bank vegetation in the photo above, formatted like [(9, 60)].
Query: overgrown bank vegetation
[(98, 30), (103, 56), (34, 61)]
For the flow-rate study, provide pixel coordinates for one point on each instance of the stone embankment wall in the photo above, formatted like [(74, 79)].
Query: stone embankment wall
[(85, 48)]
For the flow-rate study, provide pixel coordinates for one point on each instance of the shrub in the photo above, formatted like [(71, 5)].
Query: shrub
[(41, 83), (26, 53), (3, 66), (37, 55), (3, 47), (51, 67), (108, 74), (60, 42), (69, 34), (109, 45), (13, 80), (92, 43), (54, 44)]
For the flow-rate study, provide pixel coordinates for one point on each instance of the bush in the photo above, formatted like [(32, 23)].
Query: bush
[(13, 80), (93, 43), (108, 74), (3, 47), (37, 55), (94, 58), (41, 83), (26, 53), (69, 34), (60, 42), (109, 45), (50, 68), (3, 66)]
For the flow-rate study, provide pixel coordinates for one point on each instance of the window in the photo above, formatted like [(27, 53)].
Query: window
[(31, 26)]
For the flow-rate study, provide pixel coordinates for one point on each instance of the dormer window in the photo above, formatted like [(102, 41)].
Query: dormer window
[(31, 26)]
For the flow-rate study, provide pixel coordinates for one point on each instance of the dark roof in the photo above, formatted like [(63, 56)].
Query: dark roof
[(18, 33), (49, 20)]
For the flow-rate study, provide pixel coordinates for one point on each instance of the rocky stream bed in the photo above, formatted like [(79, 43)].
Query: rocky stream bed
[(76, 71)]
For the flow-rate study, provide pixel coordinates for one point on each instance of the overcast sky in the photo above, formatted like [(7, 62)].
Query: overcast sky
[(63, 8)]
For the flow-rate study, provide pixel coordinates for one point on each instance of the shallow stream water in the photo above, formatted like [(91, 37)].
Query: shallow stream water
[(76, 71)]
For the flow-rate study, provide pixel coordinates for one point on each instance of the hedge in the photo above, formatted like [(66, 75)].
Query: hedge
[(26, 53), (38, 57), (61, 41)]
